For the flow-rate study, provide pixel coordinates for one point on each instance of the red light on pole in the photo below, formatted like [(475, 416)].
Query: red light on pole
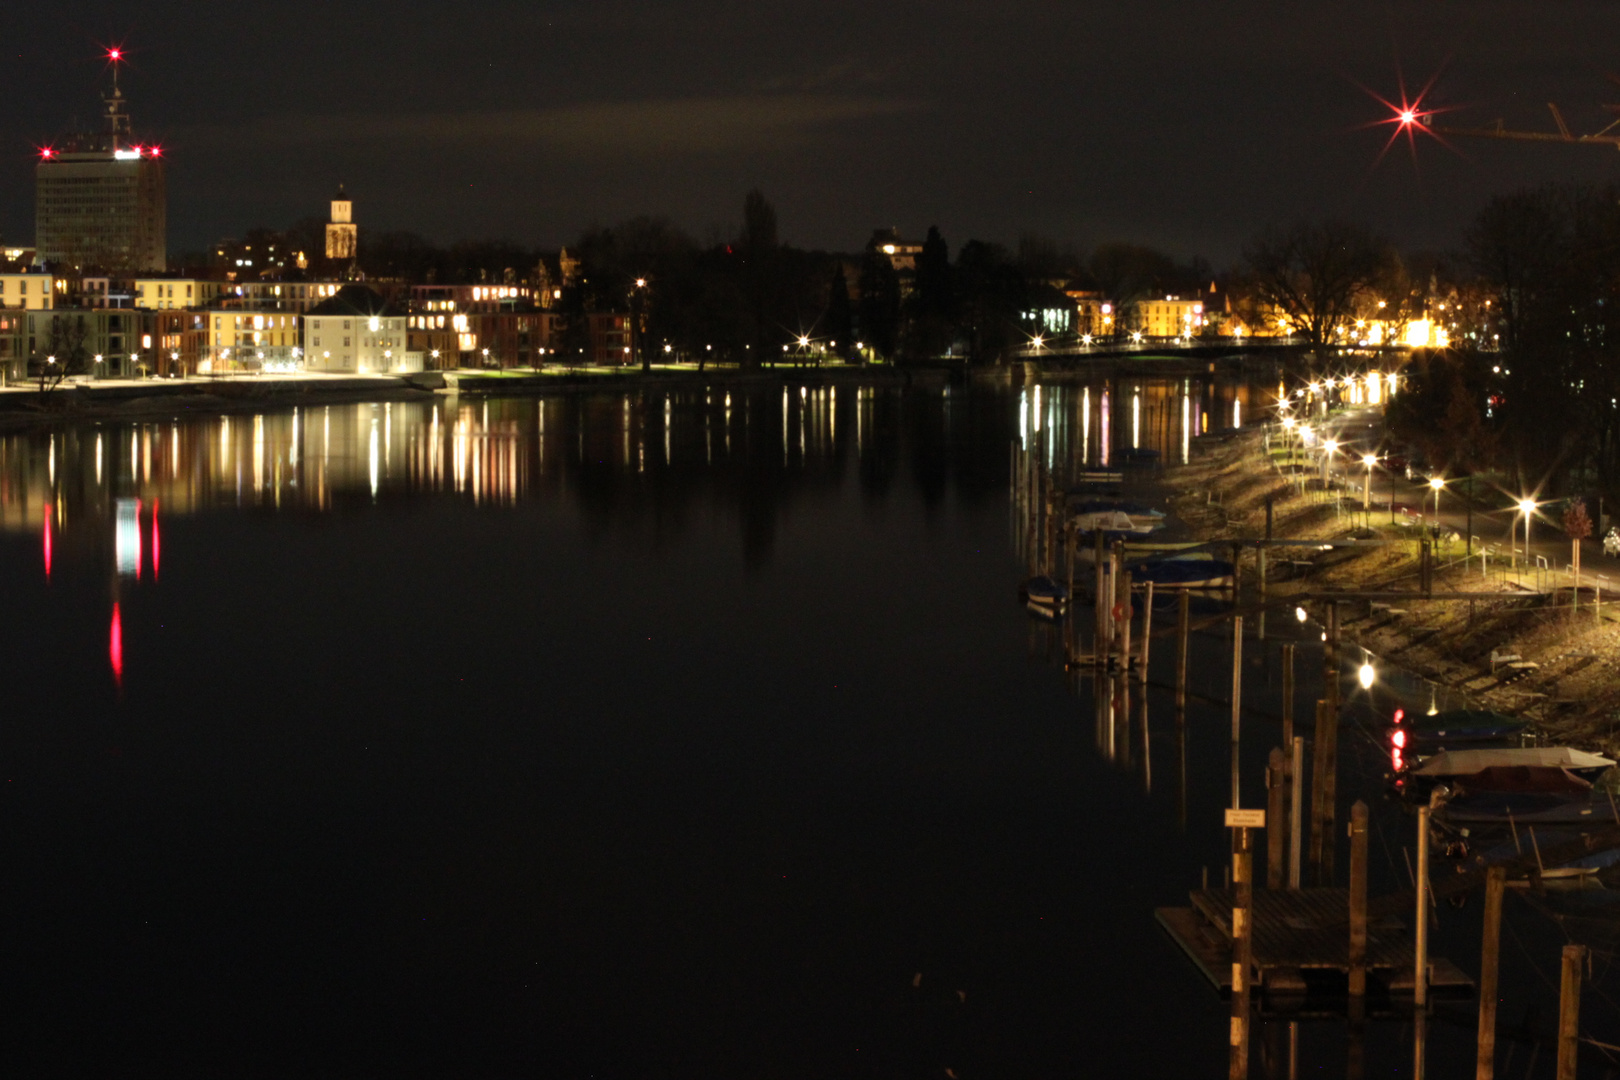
[(115, 55), (1400, 714), (1399, 739)]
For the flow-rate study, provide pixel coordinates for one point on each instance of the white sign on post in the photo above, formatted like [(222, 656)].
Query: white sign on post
[(1245, 819)]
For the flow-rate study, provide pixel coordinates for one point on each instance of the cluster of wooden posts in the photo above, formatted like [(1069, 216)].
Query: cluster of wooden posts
[(1044, 533), (1283, 870)]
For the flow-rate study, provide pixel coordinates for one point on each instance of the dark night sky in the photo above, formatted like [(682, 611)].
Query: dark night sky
[(1181, 123)]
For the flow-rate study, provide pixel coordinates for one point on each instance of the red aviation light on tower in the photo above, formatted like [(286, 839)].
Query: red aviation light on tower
[(47, 152), (115, 54), (155, 151), (115, 645)]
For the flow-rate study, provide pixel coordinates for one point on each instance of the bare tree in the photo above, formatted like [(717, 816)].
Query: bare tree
[(65, 352), (1313, 274)]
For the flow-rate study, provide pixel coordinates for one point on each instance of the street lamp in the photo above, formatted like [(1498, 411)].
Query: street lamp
[(1330, 447), (1368, 460), (1527, 507), (1435, 485)]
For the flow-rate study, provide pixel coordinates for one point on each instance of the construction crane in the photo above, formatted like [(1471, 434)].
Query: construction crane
[(1609, 136)]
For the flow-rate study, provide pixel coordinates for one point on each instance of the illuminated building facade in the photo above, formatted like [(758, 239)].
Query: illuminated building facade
[(342, 234), (94, 343), (1171, 316), (171, 294), (35, 292), (99, 199), (358, 332), (237, 341)]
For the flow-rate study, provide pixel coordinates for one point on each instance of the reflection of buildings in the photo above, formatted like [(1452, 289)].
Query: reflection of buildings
[(95, 494)]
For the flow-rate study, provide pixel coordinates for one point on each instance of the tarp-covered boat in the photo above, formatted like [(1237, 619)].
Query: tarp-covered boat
[(1459, 763)]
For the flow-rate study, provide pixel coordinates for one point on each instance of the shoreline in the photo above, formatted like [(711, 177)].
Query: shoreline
[(159, 399), (1565, 658)]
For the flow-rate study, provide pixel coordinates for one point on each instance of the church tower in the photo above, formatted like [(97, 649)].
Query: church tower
[(342, 234)]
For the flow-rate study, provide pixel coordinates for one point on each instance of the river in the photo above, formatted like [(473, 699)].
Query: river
[(625, 735)]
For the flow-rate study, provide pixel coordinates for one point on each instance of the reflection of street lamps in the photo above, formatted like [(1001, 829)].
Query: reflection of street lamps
[(1368, 460)]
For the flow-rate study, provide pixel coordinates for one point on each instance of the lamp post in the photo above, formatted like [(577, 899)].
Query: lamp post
[(1435, 485), (1527, 507), (1329, 448), (1368, 460)]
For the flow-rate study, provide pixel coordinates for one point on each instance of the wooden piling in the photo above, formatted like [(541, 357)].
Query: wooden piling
[(1358, 900), (1183, 628), (1124, 608), (1276, 818), (1330, 659), (1296, 791), (1099, 597), (1243, 905), (1569, 1010), (1147, 635), (1489, 966), (1420, 935), (1288, 698), (1237, 703), (1324, 792)]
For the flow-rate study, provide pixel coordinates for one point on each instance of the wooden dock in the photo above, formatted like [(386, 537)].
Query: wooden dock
[(1300, 943)]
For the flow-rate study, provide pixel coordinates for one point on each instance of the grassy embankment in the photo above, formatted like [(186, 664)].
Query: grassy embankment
[(1573, 691)]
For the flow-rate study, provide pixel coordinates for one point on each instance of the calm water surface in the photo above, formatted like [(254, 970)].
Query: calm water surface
[(690, 735)]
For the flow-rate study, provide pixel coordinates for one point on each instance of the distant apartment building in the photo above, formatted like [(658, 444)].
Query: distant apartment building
[(90, 342), (519, 339), (357, 331), (247, 341), (33, 291), (177, 340), (466, 299), (171, 294), (100, 200), (296, 296), (1171, 316), (902, 253)]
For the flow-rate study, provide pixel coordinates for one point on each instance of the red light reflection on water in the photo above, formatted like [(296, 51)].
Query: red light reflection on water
[(48, 512), (156, 548), (115, 645)]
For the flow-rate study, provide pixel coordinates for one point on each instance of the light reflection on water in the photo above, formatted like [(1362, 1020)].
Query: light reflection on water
[(498, 452), (102, 495)]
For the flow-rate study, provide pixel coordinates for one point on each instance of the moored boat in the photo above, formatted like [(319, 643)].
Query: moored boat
[(1184, 573)]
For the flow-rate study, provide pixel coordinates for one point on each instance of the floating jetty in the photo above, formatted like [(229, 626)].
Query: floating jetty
[(1301, 944)]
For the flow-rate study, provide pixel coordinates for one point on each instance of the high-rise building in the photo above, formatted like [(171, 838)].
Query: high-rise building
[(99, 199)]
